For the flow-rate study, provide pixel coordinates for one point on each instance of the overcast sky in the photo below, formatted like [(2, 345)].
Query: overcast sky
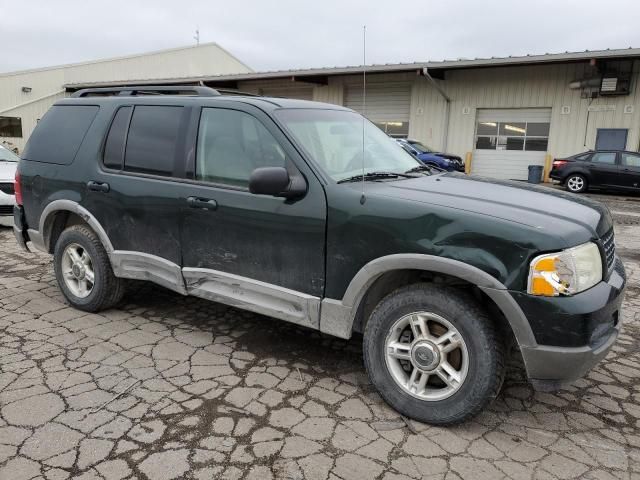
[(283, 34)]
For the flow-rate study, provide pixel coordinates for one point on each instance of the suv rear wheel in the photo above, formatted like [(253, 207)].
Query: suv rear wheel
[(433, 354), (83, 270), (576, 183)]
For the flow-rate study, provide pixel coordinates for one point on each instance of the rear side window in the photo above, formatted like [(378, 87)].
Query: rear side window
[(114, 146), (153, 140), (608, 158), (59, 134)]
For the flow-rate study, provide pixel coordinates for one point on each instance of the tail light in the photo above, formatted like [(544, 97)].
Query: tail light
[(559, 163), (17, 186)]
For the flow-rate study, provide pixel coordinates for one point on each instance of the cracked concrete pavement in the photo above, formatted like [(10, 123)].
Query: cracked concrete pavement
[(168, 387)]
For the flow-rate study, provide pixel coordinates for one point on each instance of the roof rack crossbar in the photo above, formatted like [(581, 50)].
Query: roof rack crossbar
[(132, 91)]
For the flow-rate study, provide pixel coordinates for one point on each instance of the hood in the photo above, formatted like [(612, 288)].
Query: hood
[(568, 217), (7, 171)]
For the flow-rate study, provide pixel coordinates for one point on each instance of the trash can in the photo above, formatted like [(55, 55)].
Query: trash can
[(535, 173)]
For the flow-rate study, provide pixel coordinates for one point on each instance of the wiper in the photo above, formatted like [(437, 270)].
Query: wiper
[(425, 168), (374, 176)]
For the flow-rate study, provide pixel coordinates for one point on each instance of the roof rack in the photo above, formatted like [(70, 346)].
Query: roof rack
[(132, 91)]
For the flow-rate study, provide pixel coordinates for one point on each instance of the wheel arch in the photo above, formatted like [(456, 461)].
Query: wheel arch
[(59, 214), (340, 317)]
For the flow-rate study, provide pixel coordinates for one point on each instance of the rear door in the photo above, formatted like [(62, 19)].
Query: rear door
[(259, 252), (603, 169), (629, 170), (136, 193)]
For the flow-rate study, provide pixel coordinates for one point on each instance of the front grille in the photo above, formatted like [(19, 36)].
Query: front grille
[(7, 188), (609, 246), (6, 209)]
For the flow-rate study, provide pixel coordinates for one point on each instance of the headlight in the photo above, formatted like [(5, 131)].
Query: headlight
[(565, 273)]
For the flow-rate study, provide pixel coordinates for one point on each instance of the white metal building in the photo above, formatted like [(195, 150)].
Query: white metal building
[(26, 95), (500, 114)]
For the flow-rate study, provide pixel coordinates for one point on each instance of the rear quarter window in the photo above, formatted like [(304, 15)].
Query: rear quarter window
[(59, 134)]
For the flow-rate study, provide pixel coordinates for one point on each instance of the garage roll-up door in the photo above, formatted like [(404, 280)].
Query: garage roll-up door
[(388, 105), (507, 141)]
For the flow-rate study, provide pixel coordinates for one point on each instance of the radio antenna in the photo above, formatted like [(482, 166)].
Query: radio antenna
[(364, 101)]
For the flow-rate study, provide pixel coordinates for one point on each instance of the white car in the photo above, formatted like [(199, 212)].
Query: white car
[(8, 165)]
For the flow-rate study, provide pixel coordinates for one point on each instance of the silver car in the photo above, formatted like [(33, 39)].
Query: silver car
[(8, 165)]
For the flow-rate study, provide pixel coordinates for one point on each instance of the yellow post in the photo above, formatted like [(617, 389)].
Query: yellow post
[(467, 163), (548, 160)]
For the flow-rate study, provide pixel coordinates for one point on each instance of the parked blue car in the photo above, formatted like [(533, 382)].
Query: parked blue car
[(446, 161)]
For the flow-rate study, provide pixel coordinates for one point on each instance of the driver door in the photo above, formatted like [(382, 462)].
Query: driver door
[(263, 253)]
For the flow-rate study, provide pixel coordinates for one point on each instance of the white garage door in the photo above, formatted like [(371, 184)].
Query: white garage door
[(388, 105), (507, 141)]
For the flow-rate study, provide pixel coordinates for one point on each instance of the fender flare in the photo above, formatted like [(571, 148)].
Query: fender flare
[(44, 227), (338, 316)]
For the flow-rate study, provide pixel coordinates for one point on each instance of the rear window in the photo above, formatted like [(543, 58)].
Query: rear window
[(59, 134), (153, 139)]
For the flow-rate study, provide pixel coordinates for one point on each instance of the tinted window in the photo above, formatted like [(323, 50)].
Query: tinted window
[(630, 160), (58, 135), (604, 157), (152, 140), (114, 146), (231, 144), (584, 157)]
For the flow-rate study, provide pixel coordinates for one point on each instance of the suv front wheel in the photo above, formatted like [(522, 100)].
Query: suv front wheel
[(434, 354), (83, 270)]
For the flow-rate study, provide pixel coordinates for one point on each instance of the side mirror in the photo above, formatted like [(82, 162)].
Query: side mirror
[(275, 181)]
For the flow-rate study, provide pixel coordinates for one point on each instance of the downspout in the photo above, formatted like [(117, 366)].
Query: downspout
[(32, 101), (447, 108)]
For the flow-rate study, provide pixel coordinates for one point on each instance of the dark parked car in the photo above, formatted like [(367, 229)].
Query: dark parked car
[(428, 156), (273, 206), (600, 169)]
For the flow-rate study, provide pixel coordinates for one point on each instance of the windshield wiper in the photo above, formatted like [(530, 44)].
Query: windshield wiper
[(425, 168), (374, 176)]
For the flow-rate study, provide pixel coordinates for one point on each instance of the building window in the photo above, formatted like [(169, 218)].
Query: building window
[(394, 129), (11, 127), (519, 136)]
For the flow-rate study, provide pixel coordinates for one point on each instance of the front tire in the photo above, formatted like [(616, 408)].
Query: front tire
[(576, 183), (83, 270), (434, 354)]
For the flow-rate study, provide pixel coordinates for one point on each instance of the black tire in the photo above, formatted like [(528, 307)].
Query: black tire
[(107, 290), (578, 179), (486, 352)]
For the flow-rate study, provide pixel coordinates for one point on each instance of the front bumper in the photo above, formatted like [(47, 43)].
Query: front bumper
[(6, 209), (582, 328)]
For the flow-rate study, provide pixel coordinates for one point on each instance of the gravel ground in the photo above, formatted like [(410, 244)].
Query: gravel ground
[(171, 387)]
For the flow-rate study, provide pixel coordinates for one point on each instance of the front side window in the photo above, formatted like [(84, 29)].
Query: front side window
[(630, 160), (608, 158), (153, 140), (334, 139), (11, 127), (421, 147), (523, 136), (231, 145)]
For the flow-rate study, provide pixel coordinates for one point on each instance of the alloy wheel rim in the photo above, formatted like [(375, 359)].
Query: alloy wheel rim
[(77, 270), (426, 356), (575, 183)]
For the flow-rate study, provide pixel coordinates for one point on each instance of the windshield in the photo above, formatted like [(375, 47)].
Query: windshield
[(420, 147), (333, 138), (7, 155)]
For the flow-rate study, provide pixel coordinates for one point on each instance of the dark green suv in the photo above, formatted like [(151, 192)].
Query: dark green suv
[(307, 212)]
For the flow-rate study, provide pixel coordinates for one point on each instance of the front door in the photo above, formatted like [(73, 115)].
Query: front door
[(611, 139), (603, 169), (630, 170), (262, 253)]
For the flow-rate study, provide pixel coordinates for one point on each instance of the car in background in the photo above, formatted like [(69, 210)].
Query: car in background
[(8, 165), (428, 156), (598, 169)]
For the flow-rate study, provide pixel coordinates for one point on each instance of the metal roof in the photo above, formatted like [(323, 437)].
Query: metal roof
[(392, 67)]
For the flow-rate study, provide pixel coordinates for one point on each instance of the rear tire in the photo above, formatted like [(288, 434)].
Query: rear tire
[(576, 183), (460, 352), (83, 271)]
